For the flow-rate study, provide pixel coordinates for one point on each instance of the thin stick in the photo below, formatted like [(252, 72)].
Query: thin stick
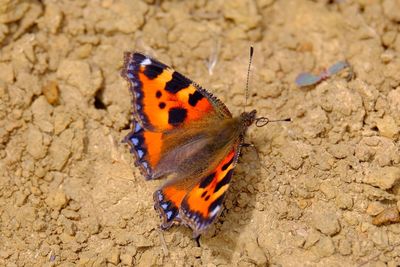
[(248, 75), (163, 244)]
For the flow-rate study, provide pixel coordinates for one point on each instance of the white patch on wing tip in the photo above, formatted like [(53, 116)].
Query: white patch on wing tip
[(146, 61), (215, 211)]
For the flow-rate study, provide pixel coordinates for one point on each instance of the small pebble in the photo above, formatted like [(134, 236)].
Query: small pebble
[(388, 216), (51, 92), (325, 247), (384, 178), (374, 208)]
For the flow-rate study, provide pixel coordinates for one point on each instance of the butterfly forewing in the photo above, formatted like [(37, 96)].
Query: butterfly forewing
[(163, 100)]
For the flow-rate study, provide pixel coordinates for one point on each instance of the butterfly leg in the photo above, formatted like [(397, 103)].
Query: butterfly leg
[(197, 238), (248, 145)]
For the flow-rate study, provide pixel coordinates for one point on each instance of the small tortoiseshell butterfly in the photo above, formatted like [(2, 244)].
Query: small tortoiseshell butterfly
[(181, 131)]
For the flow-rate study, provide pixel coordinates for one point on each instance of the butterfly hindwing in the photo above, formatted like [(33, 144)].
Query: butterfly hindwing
[(199, 205), (163, 101)]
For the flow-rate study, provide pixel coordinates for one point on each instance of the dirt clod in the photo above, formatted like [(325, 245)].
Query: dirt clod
[(326, 222), (388, 216), (384, 178), (325, 247), (57, 200)]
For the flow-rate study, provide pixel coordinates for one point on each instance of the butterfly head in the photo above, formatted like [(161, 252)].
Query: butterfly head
[(248, 118)]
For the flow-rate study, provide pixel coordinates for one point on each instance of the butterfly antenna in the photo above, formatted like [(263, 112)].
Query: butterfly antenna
[(262, 121), (248, 76)]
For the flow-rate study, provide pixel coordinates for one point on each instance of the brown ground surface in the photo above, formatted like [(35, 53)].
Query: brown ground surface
[(70, 195)]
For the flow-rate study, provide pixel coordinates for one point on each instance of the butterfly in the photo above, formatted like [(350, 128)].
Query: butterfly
[(182, 132)]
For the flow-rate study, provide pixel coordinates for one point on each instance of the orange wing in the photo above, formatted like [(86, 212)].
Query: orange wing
[(199, 205), (163, 100)]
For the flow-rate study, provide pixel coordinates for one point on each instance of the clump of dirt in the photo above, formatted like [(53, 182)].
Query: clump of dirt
[(327, 191)]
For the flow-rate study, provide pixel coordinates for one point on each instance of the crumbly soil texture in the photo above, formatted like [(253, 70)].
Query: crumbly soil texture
[(322, 190)]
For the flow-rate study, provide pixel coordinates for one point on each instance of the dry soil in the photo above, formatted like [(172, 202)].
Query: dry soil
[(323, 191)]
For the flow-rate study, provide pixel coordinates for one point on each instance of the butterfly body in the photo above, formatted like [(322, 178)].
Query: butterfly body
[(183, 133)]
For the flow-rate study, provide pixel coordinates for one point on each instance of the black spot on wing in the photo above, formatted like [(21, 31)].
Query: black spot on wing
[(177, 83), (216, 203), (224, 181), (194, 98), (206, 181), (176, 115), (158, 94), (204, 194), (137, 57), (226, 165), (152, 71), (161, 105)]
